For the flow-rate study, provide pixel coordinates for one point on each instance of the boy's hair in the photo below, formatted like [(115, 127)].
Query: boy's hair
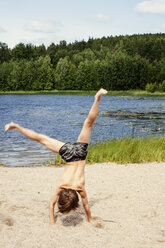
[(67, 201)]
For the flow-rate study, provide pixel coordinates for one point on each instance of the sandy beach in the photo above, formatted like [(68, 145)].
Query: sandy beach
[(127, 201)]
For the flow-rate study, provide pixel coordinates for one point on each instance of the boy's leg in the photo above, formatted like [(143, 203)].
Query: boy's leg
[(87, 127), (52, 144)]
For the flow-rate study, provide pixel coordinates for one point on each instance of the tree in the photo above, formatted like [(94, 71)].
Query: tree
[(45, 76), (4, 52), (85, 78), (162, 70), (22, 51), (15, 81), (40, 51), (61, 73), (5, 70), (77, 58), (29, 75), (88, 54)]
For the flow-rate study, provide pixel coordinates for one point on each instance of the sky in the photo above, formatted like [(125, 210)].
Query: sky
[(45, 21)]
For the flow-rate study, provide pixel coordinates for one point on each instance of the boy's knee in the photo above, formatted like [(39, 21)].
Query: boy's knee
[(89, 122), (43, 139)]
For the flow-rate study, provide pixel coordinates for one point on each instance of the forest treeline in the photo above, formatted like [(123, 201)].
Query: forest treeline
[(115, 63)]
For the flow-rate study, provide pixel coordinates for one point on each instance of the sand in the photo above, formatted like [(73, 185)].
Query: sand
[(128, 203)]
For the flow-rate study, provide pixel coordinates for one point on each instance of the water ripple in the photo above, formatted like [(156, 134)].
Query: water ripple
[(61, 117)]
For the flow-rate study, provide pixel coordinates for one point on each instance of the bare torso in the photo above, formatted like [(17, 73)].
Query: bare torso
[(73, 176)]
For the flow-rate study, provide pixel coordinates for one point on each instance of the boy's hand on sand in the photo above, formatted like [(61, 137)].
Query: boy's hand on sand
[(94, 218), (96, 222), (52, 224)]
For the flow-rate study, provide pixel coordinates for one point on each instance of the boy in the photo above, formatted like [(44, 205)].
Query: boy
[(72, 182)]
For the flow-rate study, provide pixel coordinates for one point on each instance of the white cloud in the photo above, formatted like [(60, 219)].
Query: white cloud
[(42, 27), (153, 6), (2, 30), (99, 17)]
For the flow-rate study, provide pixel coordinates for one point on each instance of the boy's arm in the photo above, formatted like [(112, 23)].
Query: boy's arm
[(85, 204), (52, 203)]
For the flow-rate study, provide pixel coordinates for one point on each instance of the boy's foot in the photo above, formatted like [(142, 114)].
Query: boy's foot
[(10, 126), (100, 93)]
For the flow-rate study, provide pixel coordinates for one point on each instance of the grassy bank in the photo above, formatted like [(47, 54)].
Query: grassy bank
[(48, 92), (125, 150), (78, 92), (128, 150)]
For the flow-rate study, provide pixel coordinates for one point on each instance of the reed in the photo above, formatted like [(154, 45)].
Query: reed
[(128, 150), (57, 160)]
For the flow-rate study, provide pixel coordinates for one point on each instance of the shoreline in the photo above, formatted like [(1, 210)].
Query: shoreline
[(127, 150), (87, 164), (139, 93)]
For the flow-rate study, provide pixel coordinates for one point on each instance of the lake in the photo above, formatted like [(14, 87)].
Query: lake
[(62, 116)]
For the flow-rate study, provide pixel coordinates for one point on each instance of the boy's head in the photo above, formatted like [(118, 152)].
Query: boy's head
[(68, 200)]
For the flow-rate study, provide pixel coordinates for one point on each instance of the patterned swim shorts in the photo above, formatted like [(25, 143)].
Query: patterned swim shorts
[(73, 152)]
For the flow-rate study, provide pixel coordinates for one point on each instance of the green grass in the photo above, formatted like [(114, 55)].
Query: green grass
[(57, 160), (78, 92), (49, 92), (128, 150), (135, 93)]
